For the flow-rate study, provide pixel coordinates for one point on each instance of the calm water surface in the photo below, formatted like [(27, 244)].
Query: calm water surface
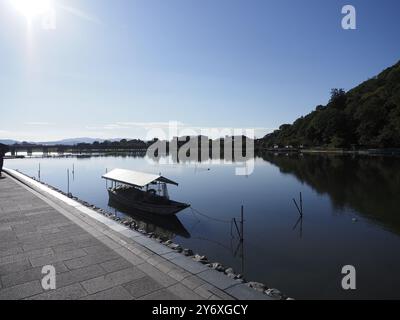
[(351, 216)]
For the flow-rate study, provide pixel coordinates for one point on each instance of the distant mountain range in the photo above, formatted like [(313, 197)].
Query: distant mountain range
[(8, 141), (66, 142)]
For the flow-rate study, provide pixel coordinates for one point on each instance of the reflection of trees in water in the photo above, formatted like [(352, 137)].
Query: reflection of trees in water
[(369, 185)]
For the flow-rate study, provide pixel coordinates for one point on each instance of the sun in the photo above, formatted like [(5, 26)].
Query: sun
[(32, 8)]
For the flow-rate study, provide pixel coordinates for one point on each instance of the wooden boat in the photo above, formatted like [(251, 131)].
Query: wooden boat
[(142, 191)]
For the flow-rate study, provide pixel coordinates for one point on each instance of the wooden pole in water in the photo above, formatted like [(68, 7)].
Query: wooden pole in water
[(67, 181), (301, 204), (39, 172), (299, 209), (236, 226)]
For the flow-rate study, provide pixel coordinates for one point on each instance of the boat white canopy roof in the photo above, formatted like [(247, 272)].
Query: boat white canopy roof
[(134, 178)]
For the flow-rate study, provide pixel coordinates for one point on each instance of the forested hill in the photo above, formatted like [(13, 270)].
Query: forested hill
[(366, 116)]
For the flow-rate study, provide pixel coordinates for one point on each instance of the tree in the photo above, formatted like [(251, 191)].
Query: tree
[(338, 98), (285, 127)]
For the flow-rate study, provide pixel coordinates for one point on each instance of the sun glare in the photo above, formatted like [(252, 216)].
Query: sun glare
[(32, 8)]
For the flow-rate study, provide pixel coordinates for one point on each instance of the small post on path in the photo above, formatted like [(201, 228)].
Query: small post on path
[(242, 224), (242, 237)]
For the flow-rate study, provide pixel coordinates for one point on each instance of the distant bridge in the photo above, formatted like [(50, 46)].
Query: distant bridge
[(76, 149)]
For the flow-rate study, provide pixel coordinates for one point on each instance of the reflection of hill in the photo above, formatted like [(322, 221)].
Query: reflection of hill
[(369, 185), (164, 227)]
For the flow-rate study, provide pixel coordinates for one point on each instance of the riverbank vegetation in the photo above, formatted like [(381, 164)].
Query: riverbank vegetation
[(367, 116)]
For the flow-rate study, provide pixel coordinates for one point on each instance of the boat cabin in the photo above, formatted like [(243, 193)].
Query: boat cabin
[(142, 191)]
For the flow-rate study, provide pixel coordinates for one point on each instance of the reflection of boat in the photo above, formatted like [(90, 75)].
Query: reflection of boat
[(165, 227), (134, 190)]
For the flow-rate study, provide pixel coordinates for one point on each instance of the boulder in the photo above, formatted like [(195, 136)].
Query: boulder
[(188, 252), (229, 271), (202, 259), (257, 286), (217, 266), (175, 247), (274, 293)]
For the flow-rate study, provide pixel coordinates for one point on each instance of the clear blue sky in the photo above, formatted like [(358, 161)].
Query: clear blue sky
[(205, 63)]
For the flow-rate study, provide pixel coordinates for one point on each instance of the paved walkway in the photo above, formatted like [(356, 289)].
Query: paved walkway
[(95, 257)]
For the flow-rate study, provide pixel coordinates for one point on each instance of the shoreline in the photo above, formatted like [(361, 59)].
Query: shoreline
[(258, 152), (367, 152)]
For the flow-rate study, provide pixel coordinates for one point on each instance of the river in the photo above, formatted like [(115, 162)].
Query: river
[(351, 216)]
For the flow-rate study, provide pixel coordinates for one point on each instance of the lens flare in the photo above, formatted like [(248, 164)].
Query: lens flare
[(32, 8)]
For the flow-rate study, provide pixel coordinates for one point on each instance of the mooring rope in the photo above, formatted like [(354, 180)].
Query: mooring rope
[(214, 242), (209, 217)]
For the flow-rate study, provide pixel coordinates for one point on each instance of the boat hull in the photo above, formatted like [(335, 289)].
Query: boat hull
[(167, 208)]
